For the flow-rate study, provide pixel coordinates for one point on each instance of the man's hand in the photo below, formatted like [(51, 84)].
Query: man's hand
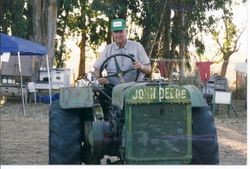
[(103, 81), (138, 65), (143, 68)]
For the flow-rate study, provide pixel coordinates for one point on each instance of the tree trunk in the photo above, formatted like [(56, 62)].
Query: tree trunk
[(182, 45), (226, 57), (44, 26), (224, 68), (145, 41), (39, 22), (175, 35), (166, 37), (52, 16), (81, 71), (60, 61), (38, 34)]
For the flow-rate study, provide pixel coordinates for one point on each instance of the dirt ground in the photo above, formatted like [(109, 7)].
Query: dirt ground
[(24, 139)]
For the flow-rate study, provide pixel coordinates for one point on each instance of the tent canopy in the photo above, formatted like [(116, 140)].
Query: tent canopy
[(13, 45), (18, 46)]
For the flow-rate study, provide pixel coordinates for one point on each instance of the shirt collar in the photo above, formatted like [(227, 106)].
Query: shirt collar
[(125, 46)]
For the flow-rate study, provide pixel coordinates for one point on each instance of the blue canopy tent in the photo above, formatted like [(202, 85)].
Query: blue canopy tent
[(19, 47)]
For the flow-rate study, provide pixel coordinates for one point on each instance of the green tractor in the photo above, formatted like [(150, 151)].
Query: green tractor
[(150, 122)]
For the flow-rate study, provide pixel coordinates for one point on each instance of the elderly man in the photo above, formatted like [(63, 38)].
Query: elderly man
[(132, 69)]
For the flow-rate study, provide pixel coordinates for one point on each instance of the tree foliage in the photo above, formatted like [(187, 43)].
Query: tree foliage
[(65, 7), (13, 17), (227, 40), (168, 27)]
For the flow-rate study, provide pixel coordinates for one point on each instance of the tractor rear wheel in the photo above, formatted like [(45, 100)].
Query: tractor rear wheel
[(205, 148), (65, 136)]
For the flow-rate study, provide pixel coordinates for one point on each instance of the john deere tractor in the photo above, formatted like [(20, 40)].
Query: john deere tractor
[(150, 122)]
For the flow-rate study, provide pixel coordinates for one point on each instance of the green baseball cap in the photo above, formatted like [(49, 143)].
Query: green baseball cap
[(118, 25)]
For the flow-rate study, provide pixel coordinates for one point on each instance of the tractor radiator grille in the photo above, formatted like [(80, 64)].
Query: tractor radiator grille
[(160, 132)]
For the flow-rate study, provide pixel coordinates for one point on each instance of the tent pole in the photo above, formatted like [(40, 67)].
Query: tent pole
[(47, 60), (21, 78)]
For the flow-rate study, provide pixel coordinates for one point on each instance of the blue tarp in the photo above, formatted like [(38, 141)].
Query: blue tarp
[(13, 45)]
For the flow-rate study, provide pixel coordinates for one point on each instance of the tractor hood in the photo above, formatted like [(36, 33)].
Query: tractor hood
[(155, 92)]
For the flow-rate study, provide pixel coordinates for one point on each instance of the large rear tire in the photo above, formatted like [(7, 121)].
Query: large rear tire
[(205, 149), (65, 136)]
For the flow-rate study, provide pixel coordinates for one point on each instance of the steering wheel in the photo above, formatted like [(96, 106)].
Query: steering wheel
[(119, 73)]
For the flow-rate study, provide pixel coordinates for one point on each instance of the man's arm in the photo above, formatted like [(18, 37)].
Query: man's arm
[(96, 73), (100, 80), (146, 69)]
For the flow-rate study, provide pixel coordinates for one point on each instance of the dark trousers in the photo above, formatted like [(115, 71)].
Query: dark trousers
[(105, 101)]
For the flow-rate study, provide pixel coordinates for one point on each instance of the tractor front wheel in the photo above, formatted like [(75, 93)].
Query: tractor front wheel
[(205, 148)]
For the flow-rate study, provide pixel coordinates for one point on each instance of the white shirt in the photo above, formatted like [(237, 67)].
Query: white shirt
[(130, 48)]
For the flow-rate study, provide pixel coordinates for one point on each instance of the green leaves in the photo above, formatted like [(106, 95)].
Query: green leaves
[(14, 17), (182, 23), (200, 47)]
